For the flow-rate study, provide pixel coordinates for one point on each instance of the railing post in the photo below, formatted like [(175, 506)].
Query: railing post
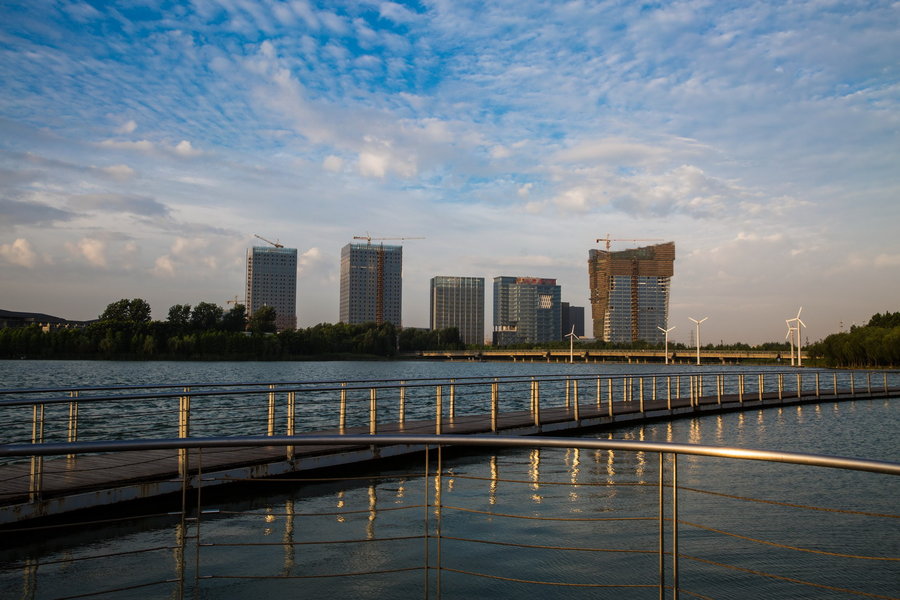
[(741, 388), (699, 389), (675, 525), (373, 411), (661, 527), (691, 391), (439, 409), (610, 397), (852, 385), (72, 433), (654, 388), (678, 387), (640, 393), (817, 385), (402, 415), (762, 386), (780, 386), (271, 419), (494, 405), (184, 430), (799, 385), (869, 382), (834, 379), (36, 476), (291, 418), (568, 401), (342, 420), (669, 392), (625, 389), (600, 394), (537, 403), (575, 399), (452, 400), (719, 389)]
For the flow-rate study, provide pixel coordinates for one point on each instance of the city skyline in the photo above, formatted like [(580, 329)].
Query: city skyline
[(141, 150)]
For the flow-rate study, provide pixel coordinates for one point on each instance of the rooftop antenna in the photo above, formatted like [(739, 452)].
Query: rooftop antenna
[(572, 337), (666, 331), (698, 334)]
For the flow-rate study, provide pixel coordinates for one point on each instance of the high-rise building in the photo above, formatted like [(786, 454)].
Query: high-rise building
[(272, 281), (630, 292), (458, 302), (371, 283), (569, 317), (526, 310)]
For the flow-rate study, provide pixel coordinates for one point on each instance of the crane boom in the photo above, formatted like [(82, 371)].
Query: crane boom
[(609, 240), (369, 238), (276, 244)]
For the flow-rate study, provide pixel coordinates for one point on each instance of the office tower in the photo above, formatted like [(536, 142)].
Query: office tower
[(371, 283), (526, 310), (272, 281), (458, 302), (630, 292), (569, 316)]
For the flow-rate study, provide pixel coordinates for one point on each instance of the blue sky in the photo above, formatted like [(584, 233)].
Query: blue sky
[(143, 144)]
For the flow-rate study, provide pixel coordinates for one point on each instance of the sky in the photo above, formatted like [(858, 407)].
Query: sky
[(144, 144)]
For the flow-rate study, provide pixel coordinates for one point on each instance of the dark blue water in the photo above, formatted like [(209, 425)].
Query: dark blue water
[(597, 509)]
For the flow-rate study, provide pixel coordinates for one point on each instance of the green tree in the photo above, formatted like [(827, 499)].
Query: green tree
[(179, 316), (136, 310), (235, 319), (263, 320), (206, 316)]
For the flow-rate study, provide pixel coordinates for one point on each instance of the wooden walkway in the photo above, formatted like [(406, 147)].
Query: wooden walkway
[(103, 479)]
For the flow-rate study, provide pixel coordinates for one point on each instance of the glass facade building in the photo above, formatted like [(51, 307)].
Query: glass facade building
[(526, 310), (371, 283), (630, 292), (272, 281), (458, 302)]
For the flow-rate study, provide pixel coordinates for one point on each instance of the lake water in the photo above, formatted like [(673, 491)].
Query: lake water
[(524, 499)]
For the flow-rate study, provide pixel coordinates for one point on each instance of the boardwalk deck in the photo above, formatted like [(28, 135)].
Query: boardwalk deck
[(71, 483)]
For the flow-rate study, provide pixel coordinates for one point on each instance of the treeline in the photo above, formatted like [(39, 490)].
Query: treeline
[(125, 331), (877, 344)]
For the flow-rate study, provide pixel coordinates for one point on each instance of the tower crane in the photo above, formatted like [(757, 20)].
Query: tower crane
[(609, 240), (276, 244), (369, 238)]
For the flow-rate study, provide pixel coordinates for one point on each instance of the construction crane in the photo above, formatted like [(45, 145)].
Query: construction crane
[(609, 240), (276, 244), (369, 238), (234, 301), (379, 272)]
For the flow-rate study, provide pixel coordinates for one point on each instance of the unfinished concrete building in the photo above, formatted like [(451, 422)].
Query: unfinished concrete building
[(630, 292)]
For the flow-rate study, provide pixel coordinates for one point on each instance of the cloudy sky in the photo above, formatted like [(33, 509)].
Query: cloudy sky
[(144, 143)]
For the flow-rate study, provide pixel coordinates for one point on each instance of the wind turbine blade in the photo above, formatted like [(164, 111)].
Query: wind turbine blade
[(801, 322), (799, 311)]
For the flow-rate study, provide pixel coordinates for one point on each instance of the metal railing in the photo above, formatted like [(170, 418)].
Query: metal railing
[(415, 405), (455, 544)]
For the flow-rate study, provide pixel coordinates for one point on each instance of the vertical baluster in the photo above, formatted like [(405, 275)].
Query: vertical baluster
[(641, 393), (675, 525), (719, 386), (575, 399), (669, 392), (439, 409), (342, 422), (654, 389), (402, 409), (741, 388), (869, 382), (799, 385), (271, 419), (600, 395), (610, 397), (780, 386), (762, 386), (291, 420), (36, 476), (72, 432), (537, 404), (373, 411), (852, 385), (817, 385), (494, 405), (834, 379), (452, 400), (184, 431)]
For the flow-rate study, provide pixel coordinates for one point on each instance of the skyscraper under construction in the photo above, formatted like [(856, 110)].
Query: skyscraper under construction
[(371, 283), (630, 292)]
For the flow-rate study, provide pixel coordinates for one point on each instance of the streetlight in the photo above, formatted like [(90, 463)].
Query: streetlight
[(698, 334), (666, 331)]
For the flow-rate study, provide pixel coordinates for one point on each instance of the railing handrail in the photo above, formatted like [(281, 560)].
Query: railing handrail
[(799, 458), (234, 389)]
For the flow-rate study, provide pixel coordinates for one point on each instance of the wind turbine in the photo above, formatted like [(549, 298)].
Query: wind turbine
[(790, 336), (799, 330), (698, 334), (572, 337), (666, 331)]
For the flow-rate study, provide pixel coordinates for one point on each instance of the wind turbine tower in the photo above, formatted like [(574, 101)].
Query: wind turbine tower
[(698, 334)]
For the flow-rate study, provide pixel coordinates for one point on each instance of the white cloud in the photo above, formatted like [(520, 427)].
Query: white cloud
[(91, 249), (118, 172), (19, 253), (163, 266), (333, 163), (127, 127), (525, 190), (184, 148)]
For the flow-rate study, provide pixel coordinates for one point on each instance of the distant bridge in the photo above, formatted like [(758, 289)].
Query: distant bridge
[(629, 356)]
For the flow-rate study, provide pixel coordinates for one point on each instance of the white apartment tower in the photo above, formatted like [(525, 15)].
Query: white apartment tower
[(371, 283), (272, 281)]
